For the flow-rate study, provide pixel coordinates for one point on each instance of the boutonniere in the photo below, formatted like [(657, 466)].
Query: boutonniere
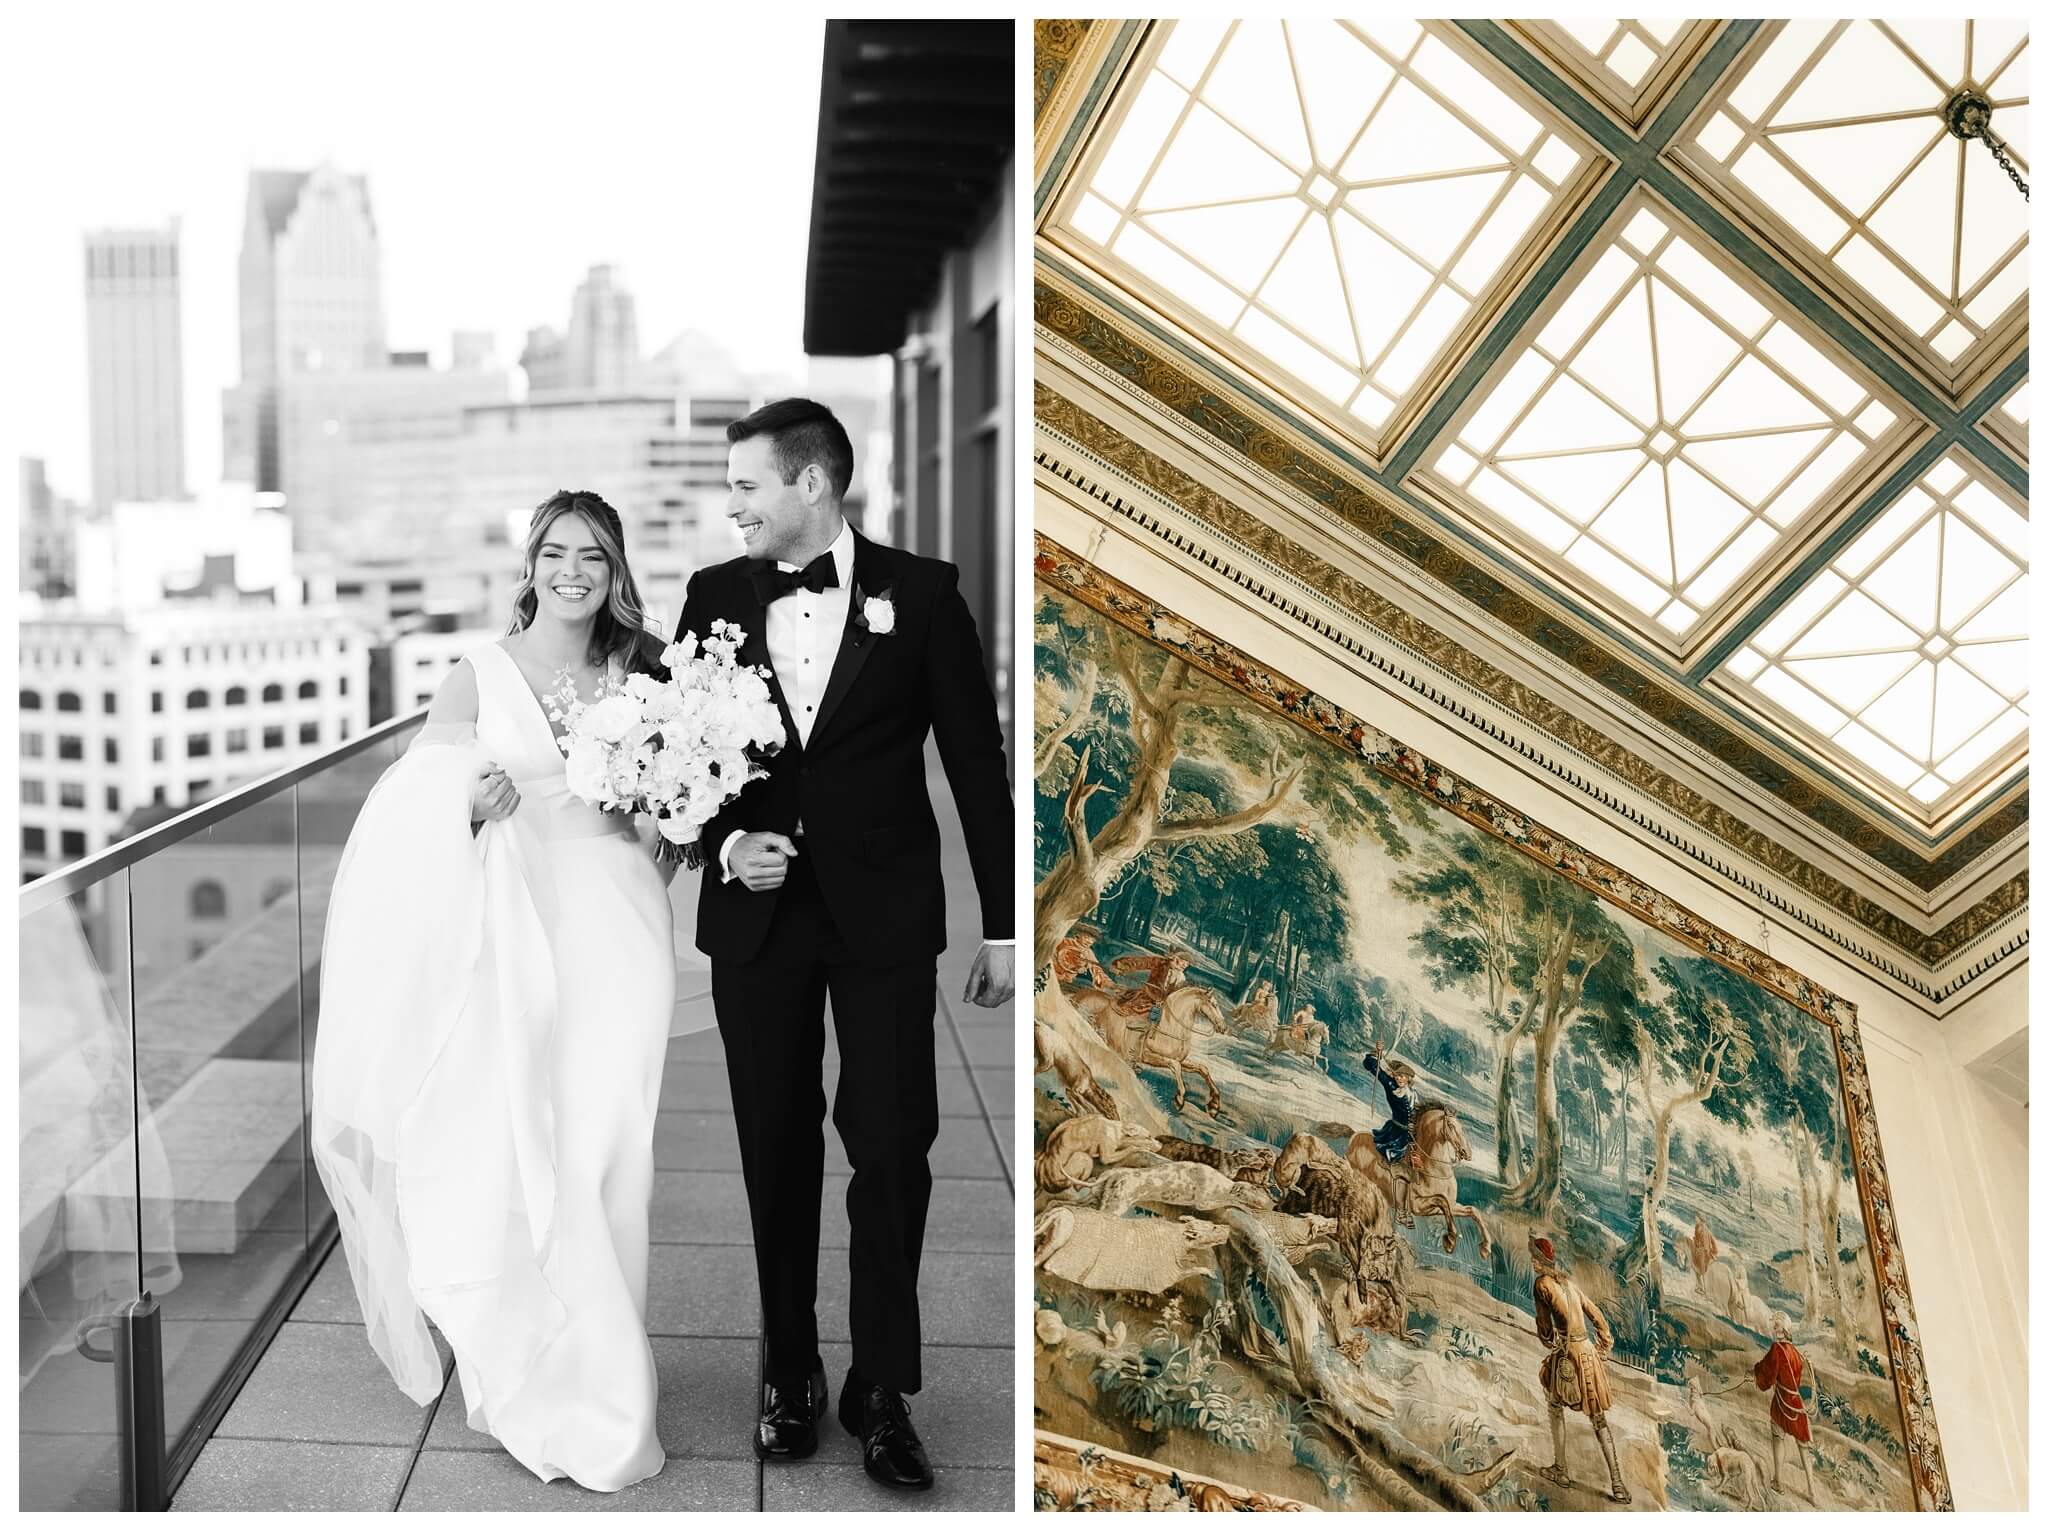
[(874, 613)]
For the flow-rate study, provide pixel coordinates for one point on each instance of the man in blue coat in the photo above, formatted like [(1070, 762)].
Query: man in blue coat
[(1396, 1135)]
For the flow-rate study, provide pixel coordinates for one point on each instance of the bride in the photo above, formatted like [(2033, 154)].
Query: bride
[(498, 979)]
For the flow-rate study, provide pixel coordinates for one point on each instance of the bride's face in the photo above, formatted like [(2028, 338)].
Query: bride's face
[(571, 576)]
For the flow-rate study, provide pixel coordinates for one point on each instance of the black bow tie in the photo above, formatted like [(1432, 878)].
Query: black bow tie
[(773, 584)]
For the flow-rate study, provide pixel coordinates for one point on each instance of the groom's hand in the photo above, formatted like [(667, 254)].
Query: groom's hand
[(761, 859), (993, 978)]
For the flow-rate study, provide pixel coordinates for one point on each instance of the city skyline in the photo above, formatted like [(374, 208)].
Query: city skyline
[(710, 241)]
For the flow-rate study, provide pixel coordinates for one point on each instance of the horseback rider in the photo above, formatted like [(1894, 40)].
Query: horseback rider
[(1396, 1135), (1163, 974)]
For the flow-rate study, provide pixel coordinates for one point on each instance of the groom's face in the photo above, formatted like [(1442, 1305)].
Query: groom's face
[(776, 520)]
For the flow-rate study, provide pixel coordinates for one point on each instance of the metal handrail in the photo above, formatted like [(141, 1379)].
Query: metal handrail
[(64, 882)]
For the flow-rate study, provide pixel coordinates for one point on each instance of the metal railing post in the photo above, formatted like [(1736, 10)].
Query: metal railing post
[(139, 1400)]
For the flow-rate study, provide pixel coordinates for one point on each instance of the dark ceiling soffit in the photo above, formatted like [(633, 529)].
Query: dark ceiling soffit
[(915, 121)]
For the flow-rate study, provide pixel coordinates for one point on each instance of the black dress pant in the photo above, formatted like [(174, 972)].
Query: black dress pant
[(771, 1018)]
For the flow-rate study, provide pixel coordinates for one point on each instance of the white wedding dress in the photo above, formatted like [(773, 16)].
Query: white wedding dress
[(493, 1023)]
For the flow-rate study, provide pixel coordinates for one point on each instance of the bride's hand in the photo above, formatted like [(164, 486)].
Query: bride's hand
[(493, 796)]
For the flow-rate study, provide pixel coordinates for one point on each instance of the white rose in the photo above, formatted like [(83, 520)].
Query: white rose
[(611, 719), (679, 653), (880, 612)]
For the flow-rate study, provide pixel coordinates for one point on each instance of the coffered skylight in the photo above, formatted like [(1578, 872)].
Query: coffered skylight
[(1908, 652), (1833, 132), (1334, 199), (1661, 428)]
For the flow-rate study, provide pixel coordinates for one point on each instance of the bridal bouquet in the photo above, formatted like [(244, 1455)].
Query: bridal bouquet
[(679, 749)]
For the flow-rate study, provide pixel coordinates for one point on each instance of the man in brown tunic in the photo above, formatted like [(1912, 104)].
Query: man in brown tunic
[(1162, 976), (1572, 1375)]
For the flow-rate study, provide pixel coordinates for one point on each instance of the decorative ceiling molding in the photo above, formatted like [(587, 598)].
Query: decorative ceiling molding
[(1065, 315)]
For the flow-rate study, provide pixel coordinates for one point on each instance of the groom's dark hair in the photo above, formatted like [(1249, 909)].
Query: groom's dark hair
[(803, 432)]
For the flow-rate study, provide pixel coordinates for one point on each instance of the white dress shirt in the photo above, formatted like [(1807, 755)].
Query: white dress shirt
[(803, 630)]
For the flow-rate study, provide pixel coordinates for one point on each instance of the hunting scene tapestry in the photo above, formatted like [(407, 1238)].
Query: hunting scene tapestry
[(1394, 1152)]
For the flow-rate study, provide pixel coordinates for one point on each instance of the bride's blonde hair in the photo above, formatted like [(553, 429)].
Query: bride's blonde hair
[(620, 629)]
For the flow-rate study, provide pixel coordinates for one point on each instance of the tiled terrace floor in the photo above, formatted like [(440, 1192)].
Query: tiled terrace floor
[(320, 1425)]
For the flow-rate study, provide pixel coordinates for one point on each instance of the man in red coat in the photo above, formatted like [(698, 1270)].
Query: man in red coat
[(1779, 1372)]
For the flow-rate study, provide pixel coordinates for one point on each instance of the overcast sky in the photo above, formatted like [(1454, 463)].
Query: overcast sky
[(508, 148)]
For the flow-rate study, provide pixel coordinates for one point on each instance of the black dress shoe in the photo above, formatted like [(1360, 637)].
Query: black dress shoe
[(890, 1451), (788, 1427)]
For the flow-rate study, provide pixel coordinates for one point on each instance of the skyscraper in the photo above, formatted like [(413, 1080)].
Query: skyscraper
[(601, 350), (312, 301), (135, 364)]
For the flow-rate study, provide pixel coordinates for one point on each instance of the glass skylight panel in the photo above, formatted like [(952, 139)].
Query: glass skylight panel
[(1836, 131), (1336, 197), (1666, 416), (1908, 652), (1618, 59)]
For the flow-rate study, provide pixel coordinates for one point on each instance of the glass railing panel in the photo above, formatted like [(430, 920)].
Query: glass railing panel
[(329, 801), (81, 1254), (215, 946)]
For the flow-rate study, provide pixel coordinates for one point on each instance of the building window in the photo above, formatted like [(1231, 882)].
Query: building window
[(344, 728), (110, 702), (70, 747), (156, 750), (198, 698), (308, 689), (273, 738), (209, 901), (34, 842), (70, 794), (110, 751), (273, 692), (237, 696), (341, 686), (31, 701), (238, 741), (156, 796), (71, 843), (309, 733), (31, 746), (198, 746), (68, 701), (31, 791), (113, 799), (156, 701), (195, 790), (156, 656)]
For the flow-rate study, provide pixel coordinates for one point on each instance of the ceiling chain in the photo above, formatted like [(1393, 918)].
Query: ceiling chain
[(1969, 116)]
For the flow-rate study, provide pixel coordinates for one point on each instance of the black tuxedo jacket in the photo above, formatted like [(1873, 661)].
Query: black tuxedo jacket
[(858, 786)]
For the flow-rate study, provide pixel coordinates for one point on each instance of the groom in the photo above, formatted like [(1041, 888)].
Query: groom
[(823, 879)]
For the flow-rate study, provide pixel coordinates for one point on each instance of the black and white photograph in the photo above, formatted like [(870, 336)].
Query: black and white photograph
[(516, 715)]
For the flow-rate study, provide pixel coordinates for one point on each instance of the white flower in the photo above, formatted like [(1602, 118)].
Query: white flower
[(880, 613), (586, 768), (611, 719)]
